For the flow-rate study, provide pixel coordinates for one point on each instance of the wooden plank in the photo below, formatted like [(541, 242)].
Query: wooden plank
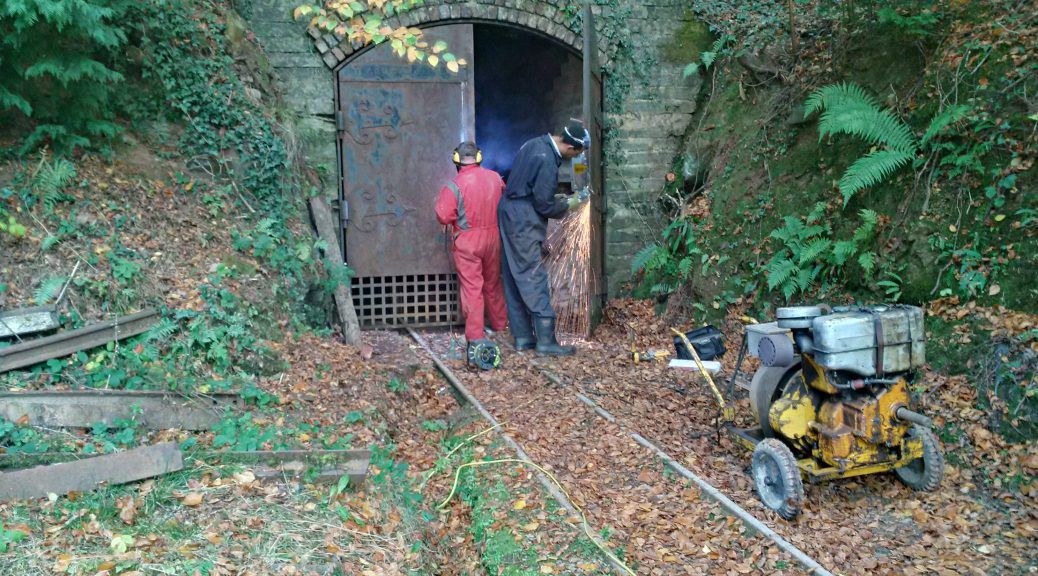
[(24, 321), (66, 343), (332, 464), (84, 408), (325, 224), (91, 473)]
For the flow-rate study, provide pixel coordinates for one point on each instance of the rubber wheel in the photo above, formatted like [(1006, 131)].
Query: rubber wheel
[(777, 478), (925, 473)]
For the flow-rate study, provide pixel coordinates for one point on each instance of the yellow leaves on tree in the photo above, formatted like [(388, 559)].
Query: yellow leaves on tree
[(363, 22)]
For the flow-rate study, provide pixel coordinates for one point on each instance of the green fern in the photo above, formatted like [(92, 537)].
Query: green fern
[(53, 67), (836, 95), (51, 180), (869, 220), (847, 109), (708, 57), (813, 250), (842, 251), (867, 261), (161, 331), (946, 118), (780, 270), (875, 126), (816, 213), (642, 258), (810, 257), (48, 290), (871, 169), (9, 99)]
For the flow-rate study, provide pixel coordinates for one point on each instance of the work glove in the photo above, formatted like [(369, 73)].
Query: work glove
[(575, 201)]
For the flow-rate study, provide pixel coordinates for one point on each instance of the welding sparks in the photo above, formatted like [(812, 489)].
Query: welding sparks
[(570, 272)]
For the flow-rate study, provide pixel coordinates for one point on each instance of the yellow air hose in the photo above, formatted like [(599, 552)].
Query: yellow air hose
[(583, 518)]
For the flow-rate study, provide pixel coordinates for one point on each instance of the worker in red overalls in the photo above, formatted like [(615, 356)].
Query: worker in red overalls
[(468, 207)]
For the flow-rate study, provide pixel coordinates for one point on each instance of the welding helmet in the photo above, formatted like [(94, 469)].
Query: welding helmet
[(467, 150), (574, 134)]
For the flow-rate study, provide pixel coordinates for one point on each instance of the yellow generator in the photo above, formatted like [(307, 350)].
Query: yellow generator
[(832, 399)]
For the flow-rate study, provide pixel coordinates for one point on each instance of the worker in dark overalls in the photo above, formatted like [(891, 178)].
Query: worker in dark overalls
[(468, 205), (529, 201)]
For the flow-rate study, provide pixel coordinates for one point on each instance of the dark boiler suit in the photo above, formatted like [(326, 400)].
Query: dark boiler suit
[(529, 201), (469, 206)]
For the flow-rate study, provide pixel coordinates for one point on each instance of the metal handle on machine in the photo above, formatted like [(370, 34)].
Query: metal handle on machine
[(906, 415), (727, 410)]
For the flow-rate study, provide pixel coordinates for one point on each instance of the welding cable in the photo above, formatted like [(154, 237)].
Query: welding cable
[(432, 471), (583, 517)]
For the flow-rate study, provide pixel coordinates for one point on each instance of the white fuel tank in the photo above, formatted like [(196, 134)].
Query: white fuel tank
[(870, 340)]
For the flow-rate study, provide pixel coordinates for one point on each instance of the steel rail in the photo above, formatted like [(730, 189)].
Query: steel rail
[(520, 453), (707, 488), (730, 505), (31, 352)]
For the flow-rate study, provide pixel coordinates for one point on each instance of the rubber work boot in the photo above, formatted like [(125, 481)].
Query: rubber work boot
[(547, 345), (522, 344)]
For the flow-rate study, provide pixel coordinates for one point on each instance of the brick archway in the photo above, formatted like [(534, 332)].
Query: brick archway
[(544, 18)]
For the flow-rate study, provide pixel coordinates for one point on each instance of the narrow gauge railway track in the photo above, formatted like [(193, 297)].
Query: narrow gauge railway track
[(664, 525)]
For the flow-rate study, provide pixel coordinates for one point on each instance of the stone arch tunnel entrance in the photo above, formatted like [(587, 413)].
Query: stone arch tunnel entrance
[(397, 124)]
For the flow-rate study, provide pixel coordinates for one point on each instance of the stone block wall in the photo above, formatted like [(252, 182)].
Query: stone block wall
[(653, 115)]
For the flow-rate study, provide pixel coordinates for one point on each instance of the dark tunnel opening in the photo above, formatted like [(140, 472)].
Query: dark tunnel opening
[(525, 86)]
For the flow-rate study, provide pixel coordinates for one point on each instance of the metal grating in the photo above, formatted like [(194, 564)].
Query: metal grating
[(415, 300)]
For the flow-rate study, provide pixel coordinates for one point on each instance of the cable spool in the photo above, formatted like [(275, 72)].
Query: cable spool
[(484, 355)]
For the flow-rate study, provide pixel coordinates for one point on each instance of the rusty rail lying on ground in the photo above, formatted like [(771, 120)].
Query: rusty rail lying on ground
[(39, 350), (91, 473)]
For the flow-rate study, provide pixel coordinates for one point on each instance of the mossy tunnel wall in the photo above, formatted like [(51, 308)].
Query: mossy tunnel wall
[(648, 108)]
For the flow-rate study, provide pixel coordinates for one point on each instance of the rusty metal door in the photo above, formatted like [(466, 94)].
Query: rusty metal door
[(397, 123), (594, 121)]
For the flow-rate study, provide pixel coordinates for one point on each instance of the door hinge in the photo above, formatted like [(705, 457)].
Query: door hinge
[(340, 120)]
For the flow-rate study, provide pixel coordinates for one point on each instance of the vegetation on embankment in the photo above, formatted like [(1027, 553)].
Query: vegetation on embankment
[(961, 221), (907, 179)]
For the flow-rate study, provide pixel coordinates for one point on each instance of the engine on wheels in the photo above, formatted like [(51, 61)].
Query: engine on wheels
[(833, 399)]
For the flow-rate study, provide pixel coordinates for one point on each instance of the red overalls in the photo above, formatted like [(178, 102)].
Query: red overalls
[(469, 206)]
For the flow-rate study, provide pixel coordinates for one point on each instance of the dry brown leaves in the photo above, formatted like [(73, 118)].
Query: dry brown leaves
[(998, 319), (976, 523)]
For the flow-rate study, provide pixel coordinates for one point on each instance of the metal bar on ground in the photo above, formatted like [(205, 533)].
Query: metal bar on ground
[(25, 321), (520, 453), (42, 349), (155, 410), (352, 463), (325, 224), (703, 485), (91, 473)]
